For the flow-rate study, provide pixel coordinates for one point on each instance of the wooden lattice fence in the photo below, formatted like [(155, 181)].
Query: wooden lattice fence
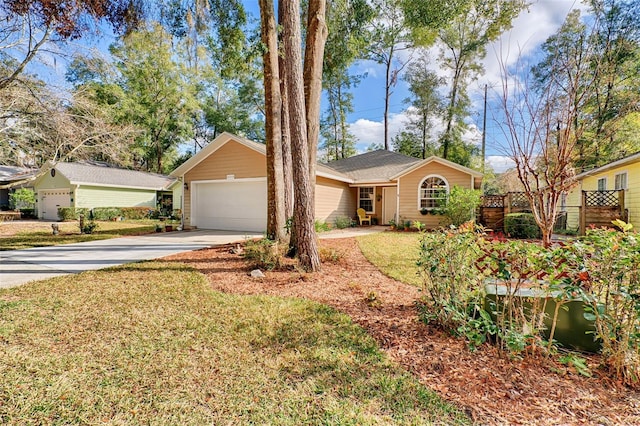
[(491, 212), (599, 208), (493, 208)]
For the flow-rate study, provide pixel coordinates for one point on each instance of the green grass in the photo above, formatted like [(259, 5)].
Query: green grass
[(151, 343), (394, 253), (70, 233)]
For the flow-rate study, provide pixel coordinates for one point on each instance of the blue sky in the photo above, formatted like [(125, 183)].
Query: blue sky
[(530, 29)]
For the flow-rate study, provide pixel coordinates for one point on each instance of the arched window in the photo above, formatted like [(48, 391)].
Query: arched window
[(433, 190)]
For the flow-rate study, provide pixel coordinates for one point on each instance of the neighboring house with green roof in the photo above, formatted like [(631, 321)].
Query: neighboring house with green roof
[(91, 185), (225, 186)]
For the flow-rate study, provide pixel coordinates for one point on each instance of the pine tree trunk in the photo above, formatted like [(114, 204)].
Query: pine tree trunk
[(303, 212), (273, 105), (289, 192), (313, 57)]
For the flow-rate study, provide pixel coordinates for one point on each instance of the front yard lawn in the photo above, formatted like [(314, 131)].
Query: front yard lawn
[(394, 253), (152, 343), (41, 235)]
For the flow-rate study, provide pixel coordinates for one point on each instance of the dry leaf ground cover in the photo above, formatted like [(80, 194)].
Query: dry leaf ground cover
[(489, 387)]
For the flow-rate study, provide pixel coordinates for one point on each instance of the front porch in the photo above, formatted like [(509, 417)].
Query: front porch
[(380, 202)]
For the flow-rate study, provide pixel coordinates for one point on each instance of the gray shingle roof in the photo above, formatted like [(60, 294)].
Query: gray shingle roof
[(13, 173), (373, 165), (111, 176)]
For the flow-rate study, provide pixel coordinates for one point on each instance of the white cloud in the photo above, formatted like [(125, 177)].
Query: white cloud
[(369, 132), (473, 134), (500, 163), (370, 68), (530, 29)]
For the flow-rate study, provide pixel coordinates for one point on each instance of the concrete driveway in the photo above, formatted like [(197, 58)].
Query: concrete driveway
[(18, 267)]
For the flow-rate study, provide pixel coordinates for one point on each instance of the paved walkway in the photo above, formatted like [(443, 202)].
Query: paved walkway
[(19, 267)]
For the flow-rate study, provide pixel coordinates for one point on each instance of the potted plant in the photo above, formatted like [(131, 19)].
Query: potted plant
[(424, 211)]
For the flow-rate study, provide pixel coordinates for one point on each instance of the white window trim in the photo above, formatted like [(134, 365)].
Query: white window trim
[(446, 182), (606, 184), (373, 199), (626, 180)]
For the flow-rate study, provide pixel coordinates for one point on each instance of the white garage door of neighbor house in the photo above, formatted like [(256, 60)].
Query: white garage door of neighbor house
[(238, 205), (51, 200)]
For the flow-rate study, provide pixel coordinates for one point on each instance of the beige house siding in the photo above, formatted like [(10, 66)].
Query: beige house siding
[(232, 158), (409, 185), (334, 199), (96, 196)]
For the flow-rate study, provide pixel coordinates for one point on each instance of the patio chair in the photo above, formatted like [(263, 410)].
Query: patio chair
[(363, 217)]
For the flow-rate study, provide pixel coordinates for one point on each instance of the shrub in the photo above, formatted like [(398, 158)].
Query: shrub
[(330, 255), (342, 222), (265, 253), (598, 271), (105, 213), (525, 277), (457, 264), (71, 213), (417, 225), (89, 227), (451, 284), (136, 213), (607, 265), (460, 206), (322, 226), (23, 198), (521, 225), (27, 213)]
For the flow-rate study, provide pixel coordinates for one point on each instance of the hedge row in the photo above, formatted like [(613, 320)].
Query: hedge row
[(521, 225), (105, 213), (71, 213)]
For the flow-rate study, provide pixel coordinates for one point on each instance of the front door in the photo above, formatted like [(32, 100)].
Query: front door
[(389, 197)]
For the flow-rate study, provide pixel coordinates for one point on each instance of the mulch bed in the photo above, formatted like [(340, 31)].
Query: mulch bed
[(489, 386)]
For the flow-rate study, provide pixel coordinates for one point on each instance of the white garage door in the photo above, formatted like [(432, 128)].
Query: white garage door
[(50, 200), (238, 205)]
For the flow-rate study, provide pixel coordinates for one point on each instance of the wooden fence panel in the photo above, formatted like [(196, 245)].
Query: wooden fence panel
[(600, 208), (492, 218)]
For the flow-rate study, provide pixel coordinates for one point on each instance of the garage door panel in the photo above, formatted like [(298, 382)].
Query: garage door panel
[(51, 200), (236, 205)]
